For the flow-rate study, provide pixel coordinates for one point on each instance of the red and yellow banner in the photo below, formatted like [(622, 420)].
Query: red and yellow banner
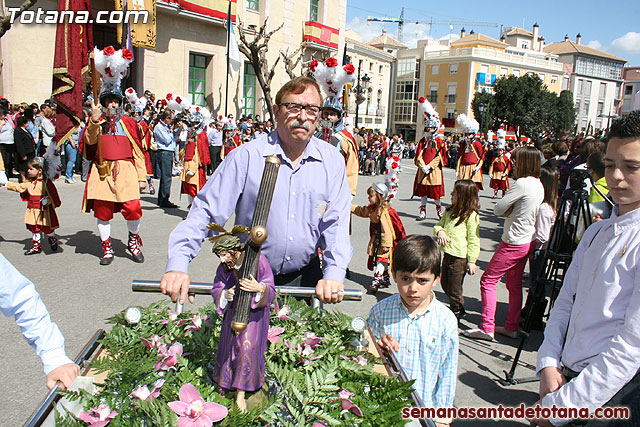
[(321, 34), (142, 34), (212, 8)]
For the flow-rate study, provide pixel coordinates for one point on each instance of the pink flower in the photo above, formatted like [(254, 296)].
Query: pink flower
[(342, 356), (332, 62), (311, 340), (196, 324), (193, 411), (346, 403), (170, 356), (143, 393), (173, 315), (281, 312), (360, 360), (273, 335), (98, 417), (319, 424), (109, 50), (155, 340)]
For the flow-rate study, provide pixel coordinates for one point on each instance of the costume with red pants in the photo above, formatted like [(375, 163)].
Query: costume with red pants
[(499, 173), (39, 217), (430, 152), (196, 160), (118, 191), (470, 157)]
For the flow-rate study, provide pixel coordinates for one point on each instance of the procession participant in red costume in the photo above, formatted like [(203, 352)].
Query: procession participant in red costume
[(42, 199), (332, 79), (112, 141), (230, 140), (144, 119), (196, 155), (470, 153), (499, 171), (431, 154)]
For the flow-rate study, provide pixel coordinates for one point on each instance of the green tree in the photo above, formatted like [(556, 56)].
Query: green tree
[(489, 116), (524, 103), (565, 116)]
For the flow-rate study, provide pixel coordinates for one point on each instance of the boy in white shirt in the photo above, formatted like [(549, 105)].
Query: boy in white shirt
[(591, 348)]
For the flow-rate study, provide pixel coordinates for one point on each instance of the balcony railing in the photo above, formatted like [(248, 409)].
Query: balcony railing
[(451, 99), (495, 55)]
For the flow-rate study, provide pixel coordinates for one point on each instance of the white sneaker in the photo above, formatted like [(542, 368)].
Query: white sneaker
[(70, 180)]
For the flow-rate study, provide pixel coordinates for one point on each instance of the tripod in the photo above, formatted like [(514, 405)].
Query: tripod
[(573, 218)]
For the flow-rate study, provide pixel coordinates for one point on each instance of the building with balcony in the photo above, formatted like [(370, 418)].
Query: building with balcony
[(449, 73), (189, 55), (374, 66), (630, 89), (594, 77)]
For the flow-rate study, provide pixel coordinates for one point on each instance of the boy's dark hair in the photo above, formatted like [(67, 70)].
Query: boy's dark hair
[(627, 126), (596, 162), (416, 253), (559, 148), (21, 121)]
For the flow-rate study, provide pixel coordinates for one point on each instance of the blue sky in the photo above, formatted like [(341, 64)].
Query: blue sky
[(614, 29)]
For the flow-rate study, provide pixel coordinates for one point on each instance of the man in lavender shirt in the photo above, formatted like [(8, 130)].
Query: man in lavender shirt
[(310, 208)]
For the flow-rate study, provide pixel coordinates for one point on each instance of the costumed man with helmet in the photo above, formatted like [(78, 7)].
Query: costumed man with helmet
[(332, 79), (112, 141), (500, 166), (196, 154), (144, 119), (431, 155), (470, 153)]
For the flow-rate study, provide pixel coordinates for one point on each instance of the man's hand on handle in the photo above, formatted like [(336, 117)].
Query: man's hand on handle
[(176, 284), (330, 291)]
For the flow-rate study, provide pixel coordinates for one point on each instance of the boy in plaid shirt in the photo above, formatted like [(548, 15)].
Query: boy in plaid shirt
[(422, 330)]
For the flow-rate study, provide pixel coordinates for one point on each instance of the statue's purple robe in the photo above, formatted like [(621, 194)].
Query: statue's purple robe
[(240, 359)]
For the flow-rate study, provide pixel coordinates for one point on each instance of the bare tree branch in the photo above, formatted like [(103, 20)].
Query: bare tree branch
[(5, 23), (289, 63), (255, 51)]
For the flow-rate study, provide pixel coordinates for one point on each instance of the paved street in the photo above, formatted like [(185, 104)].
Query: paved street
[(80, 294)]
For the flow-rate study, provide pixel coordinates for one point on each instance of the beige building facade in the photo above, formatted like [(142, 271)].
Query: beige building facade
[(374, 66), (449, 74), (594, 77), (189, 58)]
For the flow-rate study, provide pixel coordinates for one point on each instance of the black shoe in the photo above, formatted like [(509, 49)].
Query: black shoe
[(460, 313), (106, 260), (137, 258), (168, 204), (152, 191)]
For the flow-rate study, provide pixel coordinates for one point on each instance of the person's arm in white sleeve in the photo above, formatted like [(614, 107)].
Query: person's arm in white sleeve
[(19, 299), (513, 195)]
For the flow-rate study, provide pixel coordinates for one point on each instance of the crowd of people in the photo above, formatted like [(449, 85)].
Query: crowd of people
[(589, 356)]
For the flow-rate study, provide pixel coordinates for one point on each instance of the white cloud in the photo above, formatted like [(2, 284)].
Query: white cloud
[(367, 30), (629, 43), (595, 44)]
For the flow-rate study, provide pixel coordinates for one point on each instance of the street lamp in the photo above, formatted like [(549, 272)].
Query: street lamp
[(482, 107), (360, 90)]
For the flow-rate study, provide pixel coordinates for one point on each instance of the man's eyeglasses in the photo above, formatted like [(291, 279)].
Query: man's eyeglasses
[(293, 107)]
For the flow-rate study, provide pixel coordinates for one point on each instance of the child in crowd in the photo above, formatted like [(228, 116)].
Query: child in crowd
[(499, 172), (595, 165), (590, 355), (382, 231), (459, 237), (42, 199), (520, 205), (544, 220), (422, 331), (240, 358)]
